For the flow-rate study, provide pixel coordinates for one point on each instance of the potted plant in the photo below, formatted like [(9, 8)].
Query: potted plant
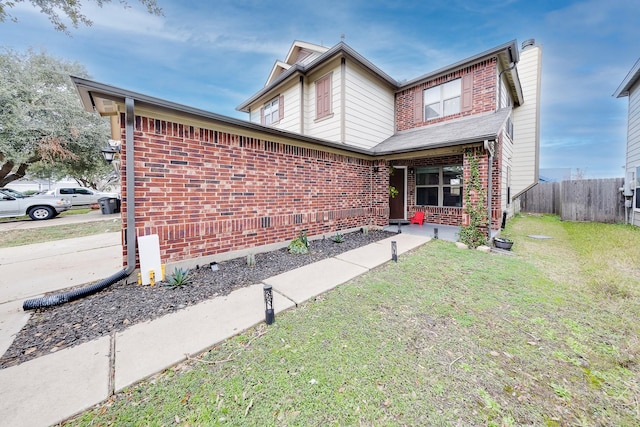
[(503, 243)]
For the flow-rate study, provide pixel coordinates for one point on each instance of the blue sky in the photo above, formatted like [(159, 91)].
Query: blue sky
[(215, 54)]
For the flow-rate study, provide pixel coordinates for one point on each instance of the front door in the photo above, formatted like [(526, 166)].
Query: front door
[(397, 209)]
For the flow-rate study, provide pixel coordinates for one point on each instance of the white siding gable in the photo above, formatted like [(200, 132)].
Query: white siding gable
[(526, 123), (369, 109), (328, 127)]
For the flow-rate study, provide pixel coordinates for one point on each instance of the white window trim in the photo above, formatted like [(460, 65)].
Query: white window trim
[(442, 100), (440, 186), (268, 106)]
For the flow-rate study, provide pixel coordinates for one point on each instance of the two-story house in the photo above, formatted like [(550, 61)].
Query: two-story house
[(328, 135), (630, 87), (488, 103)]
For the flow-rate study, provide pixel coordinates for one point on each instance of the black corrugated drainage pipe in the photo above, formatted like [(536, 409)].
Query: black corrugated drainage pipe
[(51, 300), (130, 233)]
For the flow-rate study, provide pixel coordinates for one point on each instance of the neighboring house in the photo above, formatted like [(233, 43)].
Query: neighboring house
[(630, 87), (327, 135)]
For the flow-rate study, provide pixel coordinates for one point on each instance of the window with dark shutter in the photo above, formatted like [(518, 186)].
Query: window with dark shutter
[(271, 112), (442, 100), (323, 97), (418, 114), (466, 103)]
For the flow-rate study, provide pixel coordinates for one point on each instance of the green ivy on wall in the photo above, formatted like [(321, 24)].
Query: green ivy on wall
[(472, 234)]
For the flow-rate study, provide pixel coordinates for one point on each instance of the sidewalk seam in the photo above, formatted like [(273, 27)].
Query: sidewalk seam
[(112, 365)]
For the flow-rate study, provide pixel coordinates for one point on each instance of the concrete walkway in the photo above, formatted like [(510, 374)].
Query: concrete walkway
[(55, 387), (31, 270)]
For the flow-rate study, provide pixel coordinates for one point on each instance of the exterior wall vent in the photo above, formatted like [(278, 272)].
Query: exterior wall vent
[(528, 43)]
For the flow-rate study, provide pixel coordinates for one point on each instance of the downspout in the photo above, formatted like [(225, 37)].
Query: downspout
[(130, 234), (343, 86), (489, 185), (513, 65)]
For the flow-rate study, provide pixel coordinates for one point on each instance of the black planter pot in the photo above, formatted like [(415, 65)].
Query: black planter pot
[(502, 243)]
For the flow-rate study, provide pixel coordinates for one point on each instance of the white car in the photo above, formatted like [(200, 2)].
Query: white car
[(80, 196), (13, 204)]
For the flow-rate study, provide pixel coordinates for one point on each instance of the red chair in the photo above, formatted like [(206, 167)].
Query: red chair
[(417, 218)]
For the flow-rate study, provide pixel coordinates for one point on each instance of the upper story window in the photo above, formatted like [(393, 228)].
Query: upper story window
[(271, 111), (453, 97), (439, 186), (509, 128), (442, 100), (323, 97)]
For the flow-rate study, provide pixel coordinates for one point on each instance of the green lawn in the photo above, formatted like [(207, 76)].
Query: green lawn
[(58, 232), (443, 337)]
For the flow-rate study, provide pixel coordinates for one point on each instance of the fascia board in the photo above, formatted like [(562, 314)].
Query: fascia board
[(509, 48), (632, 77)]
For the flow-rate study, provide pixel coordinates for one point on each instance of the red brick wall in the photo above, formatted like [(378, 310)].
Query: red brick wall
[(484, 94), (454, 215), (206, 192)]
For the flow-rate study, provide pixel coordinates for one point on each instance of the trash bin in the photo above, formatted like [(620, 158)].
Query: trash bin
[(109, 205)]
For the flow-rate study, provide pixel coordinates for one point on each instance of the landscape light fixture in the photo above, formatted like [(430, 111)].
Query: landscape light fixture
[(269, 314), (394, 251), (435, 233)]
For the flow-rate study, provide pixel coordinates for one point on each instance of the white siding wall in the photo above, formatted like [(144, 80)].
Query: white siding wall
[(369, 112), (633, 140), (291, 120), (526, 122), (254, 115), (505, 94), (326, 128)]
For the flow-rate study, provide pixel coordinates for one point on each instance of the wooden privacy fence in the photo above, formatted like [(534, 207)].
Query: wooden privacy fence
[(595, 200)]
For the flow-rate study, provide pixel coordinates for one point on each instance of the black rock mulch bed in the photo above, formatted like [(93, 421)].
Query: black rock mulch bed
[(121, 305)]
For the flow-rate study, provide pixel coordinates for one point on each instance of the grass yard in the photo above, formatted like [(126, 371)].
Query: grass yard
[(443, 337), (12, 238)]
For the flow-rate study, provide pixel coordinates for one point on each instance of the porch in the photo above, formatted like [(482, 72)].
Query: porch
[(449, 233), (445, 232)]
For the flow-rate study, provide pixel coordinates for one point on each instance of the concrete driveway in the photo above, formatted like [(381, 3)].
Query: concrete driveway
[(30, 271)]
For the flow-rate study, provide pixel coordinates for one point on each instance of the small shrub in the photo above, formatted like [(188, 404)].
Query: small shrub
[(338, 238), (300, 245), (179, 278)]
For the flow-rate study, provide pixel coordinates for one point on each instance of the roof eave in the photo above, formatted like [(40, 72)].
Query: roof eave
[(294, 70), (467, 141), (510, 48), (631, 79), (89, 90), (339, 49)]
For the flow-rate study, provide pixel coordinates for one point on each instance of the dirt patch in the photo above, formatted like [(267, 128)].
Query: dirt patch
[(121, 305)]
